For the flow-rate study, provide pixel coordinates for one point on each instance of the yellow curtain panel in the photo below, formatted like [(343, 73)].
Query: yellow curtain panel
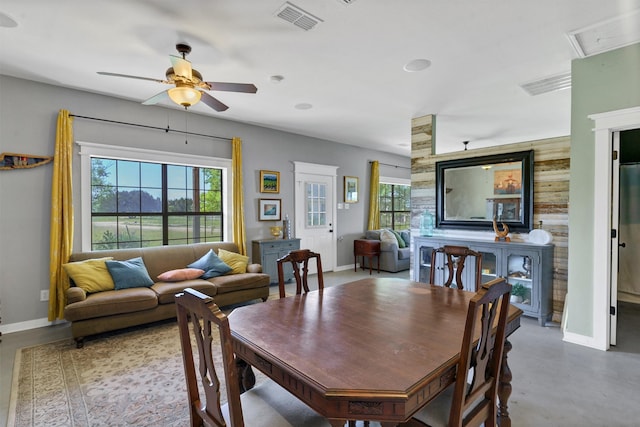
[(374, 195), (61, 235), (239, 235)]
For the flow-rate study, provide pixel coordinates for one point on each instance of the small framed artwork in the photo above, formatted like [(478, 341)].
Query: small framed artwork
[(269, 182), (269, 209), (350, 189)]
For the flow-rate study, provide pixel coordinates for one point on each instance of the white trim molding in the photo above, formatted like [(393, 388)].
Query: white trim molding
[(605, 125), (90, 149)]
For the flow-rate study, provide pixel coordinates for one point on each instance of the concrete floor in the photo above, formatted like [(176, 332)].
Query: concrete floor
[(554, 383)]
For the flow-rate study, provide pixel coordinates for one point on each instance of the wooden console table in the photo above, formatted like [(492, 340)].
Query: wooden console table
[(366, 248)]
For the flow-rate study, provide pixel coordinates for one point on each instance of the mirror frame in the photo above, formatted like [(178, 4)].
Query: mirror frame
[(526, 160)]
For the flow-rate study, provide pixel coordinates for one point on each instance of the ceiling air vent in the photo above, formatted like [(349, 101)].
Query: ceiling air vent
[(346, 2), (548, 84), (298, 17), (607, 35)]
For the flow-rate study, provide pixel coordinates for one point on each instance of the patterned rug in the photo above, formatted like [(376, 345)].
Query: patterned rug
[(130, 378)]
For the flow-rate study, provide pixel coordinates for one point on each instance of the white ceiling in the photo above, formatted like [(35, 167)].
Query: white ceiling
[(349, 67)]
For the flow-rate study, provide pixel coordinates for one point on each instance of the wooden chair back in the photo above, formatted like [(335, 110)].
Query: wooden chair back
[(206, 319), (475, 395), (299, 260), (454, 261)]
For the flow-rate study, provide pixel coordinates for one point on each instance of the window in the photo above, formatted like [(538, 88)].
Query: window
[(395, 206), (316, 204), (136, 203)]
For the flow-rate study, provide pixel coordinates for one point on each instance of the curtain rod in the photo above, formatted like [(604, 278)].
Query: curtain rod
[(393, 166), (167, 129)]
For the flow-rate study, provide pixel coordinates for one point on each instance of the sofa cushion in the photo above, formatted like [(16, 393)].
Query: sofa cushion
[(107, 303), (212, 265), (372, 235), (236, 261), (90, 275), (404, 253), (235, 282), (129, 274), (166, 291), (180, 275)]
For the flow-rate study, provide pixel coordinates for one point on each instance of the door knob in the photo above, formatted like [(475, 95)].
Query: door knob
[(622, 245)]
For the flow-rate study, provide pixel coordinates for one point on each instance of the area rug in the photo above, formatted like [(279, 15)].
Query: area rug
[(130, 378)]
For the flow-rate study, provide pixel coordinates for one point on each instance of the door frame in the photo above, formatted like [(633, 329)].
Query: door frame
[(303, 168), (605, 125)]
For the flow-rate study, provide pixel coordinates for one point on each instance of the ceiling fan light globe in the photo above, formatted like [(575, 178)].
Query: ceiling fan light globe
[(185, 96)]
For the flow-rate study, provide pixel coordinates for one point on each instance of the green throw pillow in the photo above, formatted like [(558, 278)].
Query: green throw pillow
[(212, 265), (401, 243), (129, 274)]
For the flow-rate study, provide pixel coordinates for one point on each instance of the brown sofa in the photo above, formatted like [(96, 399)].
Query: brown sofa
[(93, 313)]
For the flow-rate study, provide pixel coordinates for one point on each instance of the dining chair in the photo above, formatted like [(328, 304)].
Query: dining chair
[(454, 260), (299, 260), (267, 404), (472, 400)]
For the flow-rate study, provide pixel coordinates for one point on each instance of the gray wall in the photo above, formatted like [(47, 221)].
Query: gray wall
[(28, 114), (605, 82)]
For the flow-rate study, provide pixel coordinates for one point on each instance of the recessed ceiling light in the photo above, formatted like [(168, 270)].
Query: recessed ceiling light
[(6, 21), (417, 65), (303, 106)]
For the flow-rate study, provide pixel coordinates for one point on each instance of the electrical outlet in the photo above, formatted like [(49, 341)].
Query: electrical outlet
[(44, 295)]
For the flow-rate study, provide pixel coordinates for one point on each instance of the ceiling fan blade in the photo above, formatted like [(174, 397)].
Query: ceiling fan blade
[(212, 102), (157, 98), (104, 73), (233, 87), (181, 67)]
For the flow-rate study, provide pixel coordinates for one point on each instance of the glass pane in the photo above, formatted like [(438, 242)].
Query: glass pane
[(128, 229), (151, 230), (177, 200), (103, 199), (488, 266), (151, 199), (176, 176), (189, 171), (104, 232), (178, 226), (386, 220), (129, 201), (519, 275), (103, 172), (425, 264), (128, 173), (151, 175)]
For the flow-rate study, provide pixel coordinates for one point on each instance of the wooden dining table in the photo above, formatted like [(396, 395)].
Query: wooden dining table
[(376, 349)]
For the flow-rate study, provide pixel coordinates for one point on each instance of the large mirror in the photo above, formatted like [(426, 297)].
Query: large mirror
[(471, 192)]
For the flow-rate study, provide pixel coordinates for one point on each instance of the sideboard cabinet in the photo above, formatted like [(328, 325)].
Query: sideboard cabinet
[(528, 267), (267, 252)]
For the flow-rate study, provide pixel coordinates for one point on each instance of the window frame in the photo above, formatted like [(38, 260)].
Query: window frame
[(394, 181), (88, 150)]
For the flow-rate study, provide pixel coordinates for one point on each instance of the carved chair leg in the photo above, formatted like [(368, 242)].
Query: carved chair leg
[(504, 388), (79, 342)]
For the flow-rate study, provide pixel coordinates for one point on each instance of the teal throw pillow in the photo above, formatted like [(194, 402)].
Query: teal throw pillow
[(401, 243), (129, 274), (212, 265), (406, 236)]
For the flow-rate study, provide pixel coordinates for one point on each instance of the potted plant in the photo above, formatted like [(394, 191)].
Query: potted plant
[(518, 292)]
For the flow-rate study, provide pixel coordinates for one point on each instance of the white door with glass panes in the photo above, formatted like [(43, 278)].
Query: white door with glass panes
[(315, 211)]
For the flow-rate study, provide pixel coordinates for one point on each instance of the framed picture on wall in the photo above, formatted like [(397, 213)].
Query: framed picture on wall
[(350, 189), (269, 182), (269, 209)]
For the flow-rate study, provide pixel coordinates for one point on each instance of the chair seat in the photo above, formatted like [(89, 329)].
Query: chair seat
[(270, 405)]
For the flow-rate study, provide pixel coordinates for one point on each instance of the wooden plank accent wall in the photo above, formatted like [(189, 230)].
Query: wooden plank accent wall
[(550, 198)]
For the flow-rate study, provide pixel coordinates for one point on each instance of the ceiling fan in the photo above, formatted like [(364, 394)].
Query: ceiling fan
[(188, 84)]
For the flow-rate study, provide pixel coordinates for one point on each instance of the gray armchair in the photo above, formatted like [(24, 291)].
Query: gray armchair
[(392, 257)]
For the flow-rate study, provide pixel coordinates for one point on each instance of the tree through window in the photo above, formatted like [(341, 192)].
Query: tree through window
[(395, 206)]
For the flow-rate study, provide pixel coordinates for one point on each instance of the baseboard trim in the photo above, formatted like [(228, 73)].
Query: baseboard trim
[(345, 267), (29, 324)]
